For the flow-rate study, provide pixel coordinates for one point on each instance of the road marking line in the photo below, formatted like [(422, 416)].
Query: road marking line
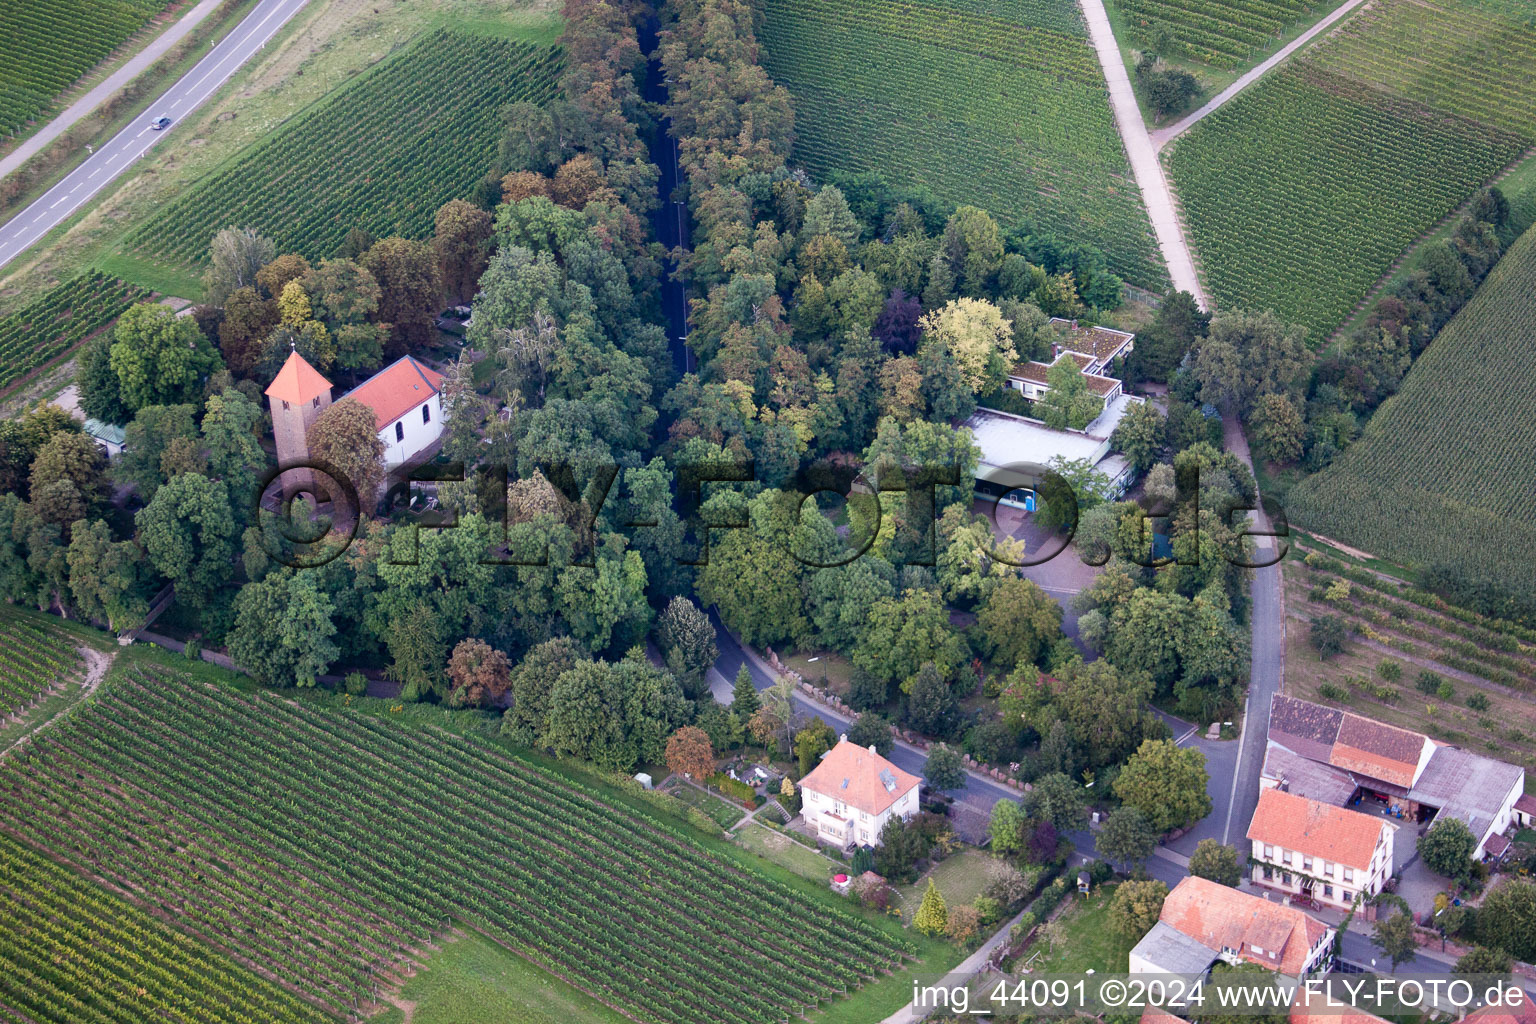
[(57, 201), (94, 173)]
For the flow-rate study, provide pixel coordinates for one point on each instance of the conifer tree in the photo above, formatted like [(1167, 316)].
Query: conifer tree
[(744, 700), (932, 916)]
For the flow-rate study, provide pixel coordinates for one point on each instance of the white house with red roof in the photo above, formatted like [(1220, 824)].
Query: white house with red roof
[(853, 792), (1309, 848)]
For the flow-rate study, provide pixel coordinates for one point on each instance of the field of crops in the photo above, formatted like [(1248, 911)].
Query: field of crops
[(1444, 470), (1001, 105), (1479, 66), (70, 951), (32, 659), (47, 44), (1227, 34), (1300, 194), (321, 843), (384, 154), (58, 320)]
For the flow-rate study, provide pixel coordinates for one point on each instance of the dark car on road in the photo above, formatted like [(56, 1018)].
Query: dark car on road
[(160, 123)]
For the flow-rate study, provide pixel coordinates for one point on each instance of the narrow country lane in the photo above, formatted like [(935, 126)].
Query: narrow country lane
[(1162, 136), (1155, 193)]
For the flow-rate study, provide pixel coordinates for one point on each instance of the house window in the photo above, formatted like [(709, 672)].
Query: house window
[(1324, 869), (1269, 873), (1269, 852), (426, 414), (1306, 864), (400, 431), (1349, 897), (285, 406), (1349, 874), (316, 402), (1327, 892), (1286, 878)]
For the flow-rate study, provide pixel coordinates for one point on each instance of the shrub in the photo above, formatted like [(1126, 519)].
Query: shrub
[(738, 791), (355, 683), (1446, 691), (1477, 702), (1333, 692), (1328, 635), (1391, 671), (1428, 682)]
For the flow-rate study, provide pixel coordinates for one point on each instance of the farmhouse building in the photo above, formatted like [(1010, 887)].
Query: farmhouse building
[(853, 792), (1312, 849), (1340, 758), (1206, 921), (405, 396)]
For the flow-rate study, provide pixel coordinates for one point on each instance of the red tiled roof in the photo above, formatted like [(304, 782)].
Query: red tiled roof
[(1310, 1008), (1372, 765), (1158, 1015), (1316, 829), (1224, 918), (397, 389), (297, 382), (1525, 1013), (860, 778), (1526, 804), (1496, 846)]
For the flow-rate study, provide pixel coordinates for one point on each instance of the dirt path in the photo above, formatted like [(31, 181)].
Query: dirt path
[(1155, 193), (1162, 136), (96, 665)]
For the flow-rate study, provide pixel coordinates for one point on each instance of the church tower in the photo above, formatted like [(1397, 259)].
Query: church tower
[(297, 396)]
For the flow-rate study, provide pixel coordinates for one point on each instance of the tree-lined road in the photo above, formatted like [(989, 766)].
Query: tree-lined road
[(178, 102)]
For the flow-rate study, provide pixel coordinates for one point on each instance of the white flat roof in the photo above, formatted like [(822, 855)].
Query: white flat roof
[(1008, 440)]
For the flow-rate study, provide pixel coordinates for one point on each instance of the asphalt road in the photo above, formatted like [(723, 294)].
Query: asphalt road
[(977, 792), (104, 165)]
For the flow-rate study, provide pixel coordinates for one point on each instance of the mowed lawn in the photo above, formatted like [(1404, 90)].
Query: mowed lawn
[(786, 852), (1081, 939), (472, 979), (960, 879)]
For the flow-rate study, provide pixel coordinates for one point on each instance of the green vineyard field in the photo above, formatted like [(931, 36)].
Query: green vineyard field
[(1226, 34), (998, 105), (58, 320), (32, 659), (1444, 471), (320, 843), (384, 154), (1479, 66), (1301, 193), (46, 44), (70, 951)]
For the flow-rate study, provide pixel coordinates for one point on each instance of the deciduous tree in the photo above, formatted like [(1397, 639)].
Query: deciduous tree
[(283, 629), (478, 674), (1166, 783), (1216, 862), (1135, 908), (978, 337), (345, 436), (159, 357), (943, 769), (1127, 837), (689, 753)]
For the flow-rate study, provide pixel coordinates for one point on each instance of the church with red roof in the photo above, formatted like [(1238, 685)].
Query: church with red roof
[(405, 396)]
